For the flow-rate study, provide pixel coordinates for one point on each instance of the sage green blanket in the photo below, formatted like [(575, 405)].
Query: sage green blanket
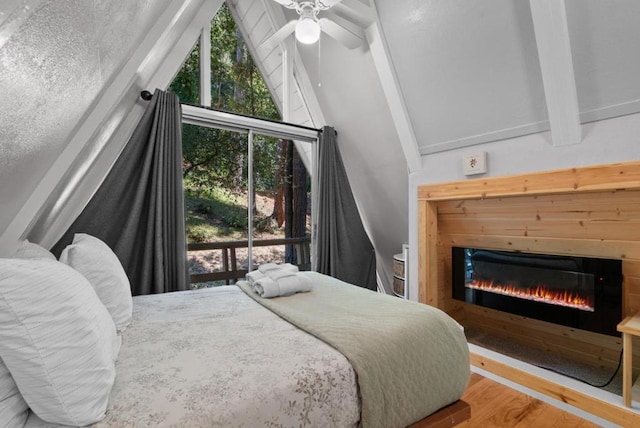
[(411, 359)]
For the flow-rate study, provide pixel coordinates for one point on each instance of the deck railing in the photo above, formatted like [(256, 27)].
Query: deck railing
[(230, 271)]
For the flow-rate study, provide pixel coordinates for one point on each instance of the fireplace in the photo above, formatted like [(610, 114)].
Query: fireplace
[(579, 292)]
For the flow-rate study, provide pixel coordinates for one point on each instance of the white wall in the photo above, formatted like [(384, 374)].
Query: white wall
[(607, 141), (57, 150), (55, 65), (353, 102)]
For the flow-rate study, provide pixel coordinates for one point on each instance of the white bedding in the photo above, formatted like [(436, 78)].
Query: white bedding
[(215, 357)]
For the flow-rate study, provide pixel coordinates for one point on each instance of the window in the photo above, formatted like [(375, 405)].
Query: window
[(247, 189)]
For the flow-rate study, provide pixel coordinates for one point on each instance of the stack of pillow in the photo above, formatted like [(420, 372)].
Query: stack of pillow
[(59, 331)]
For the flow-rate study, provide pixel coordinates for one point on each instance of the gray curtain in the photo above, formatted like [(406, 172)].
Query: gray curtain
[(139, 208), (344, 249)]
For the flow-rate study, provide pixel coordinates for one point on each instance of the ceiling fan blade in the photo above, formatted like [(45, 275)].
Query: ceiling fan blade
[(290, 4), (326, 4), (340, 33), (277, 37)]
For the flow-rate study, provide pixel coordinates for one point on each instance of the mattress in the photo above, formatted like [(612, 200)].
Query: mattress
[(214, 357), (410, 359), (218, 358)]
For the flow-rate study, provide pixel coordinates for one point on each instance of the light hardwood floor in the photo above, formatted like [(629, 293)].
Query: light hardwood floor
[(496, 405)]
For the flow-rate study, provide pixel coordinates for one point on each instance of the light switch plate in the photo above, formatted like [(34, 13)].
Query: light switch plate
[(475, 164)]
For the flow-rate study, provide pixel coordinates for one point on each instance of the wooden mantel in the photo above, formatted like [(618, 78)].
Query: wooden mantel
[(590, 211), (620, 176)]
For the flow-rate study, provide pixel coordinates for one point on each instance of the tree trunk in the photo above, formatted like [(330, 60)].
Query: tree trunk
[(237, 91), (296, 201), (278, 197), (300, 197), (289, 254), (238, 174)]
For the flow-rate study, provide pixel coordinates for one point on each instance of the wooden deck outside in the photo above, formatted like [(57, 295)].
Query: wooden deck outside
[(230, 271)]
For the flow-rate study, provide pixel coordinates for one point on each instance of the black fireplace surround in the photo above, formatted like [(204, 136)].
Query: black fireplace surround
[(580, 292)]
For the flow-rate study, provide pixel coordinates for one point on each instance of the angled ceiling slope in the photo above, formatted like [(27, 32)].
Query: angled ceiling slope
[(259, 20), (348, 85), (476, 72), (72, 174)]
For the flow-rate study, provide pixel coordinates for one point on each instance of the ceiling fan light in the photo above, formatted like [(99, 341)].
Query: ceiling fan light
[(307, 30)]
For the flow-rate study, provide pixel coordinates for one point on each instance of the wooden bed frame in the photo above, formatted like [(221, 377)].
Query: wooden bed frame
[(452, 415)]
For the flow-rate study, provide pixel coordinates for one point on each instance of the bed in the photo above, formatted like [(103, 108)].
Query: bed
[(219, 357)]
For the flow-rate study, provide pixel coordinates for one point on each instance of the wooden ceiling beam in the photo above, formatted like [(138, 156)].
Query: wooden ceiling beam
[(393, 94), (355, 11), (554, 51)]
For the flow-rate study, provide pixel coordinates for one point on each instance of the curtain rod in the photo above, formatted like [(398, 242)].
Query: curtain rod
[(295, 125), (195, 115), (146, 95)]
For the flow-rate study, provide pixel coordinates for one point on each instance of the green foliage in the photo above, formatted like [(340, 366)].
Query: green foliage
[(206, 207), (214, 157), (215, 161), (236, 83), (186, 84), (215, 213), (199, 231)]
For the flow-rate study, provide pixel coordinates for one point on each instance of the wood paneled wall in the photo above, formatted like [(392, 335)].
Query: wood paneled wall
[(592, 212), (595, 224)]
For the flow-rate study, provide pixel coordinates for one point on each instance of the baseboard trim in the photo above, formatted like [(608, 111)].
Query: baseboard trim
[(593, 401)]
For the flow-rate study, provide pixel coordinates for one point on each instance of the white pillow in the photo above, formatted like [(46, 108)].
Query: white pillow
[(31, 250), (57, 339), (13, 408), (95, 260)]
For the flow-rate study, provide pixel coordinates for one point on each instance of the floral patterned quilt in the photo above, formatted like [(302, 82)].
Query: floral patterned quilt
[(216, 358)]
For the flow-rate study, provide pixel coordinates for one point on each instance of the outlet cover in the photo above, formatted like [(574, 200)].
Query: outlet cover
[(475, 164)]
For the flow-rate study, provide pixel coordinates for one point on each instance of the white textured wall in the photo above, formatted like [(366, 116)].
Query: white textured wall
[(53, 66), (606, 141), (352, 100)]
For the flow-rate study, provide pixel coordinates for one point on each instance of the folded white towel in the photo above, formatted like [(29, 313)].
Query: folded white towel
[(294, 284), (279, 273), (284, 286), (254, 276), (266, 287), (267, 267), (288, 267), (273, 270)]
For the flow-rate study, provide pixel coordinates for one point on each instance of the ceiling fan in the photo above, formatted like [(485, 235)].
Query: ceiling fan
[(307, 27)]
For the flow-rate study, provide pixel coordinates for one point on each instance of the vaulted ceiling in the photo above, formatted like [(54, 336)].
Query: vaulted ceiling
[(430, 80), (472, 72), (434, 76)]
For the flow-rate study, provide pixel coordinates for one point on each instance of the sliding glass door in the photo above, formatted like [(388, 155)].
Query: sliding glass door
[(281, 203), (216, 194), (248, 197)]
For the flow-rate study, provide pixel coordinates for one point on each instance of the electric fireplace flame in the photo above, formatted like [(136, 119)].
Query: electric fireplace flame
[(578, 292), (539, 293)]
